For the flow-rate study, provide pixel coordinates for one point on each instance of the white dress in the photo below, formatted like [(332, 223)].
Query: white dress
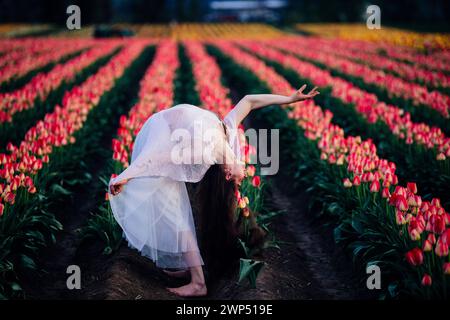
[(153, 208)]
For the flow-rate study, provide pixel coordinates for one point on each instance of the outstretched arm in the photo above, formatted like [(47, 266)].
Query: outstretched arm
[(255, 101)]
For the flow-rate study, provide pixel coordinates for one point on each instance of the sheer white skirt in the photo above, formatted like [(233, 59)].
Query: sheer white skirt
[(156, 219)]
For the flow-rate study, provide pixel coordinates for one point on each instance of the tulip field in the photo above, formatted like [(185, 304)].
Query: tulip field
[(371, 153)]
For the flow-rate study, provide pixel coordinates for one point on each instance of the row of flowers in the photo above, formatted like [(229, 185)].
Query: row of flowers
[(202, 31), (22, 162), (155, 94), (31, 62), (394, 86), (214, 96), (386, 35), (423, 220), (43, 83), (13, 53), (407, 71), (397, 120), (430, 61)]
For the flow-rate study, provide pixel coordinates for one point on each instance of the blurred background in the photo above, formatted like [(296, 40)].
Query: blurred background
[(423, 24), (427, 14)]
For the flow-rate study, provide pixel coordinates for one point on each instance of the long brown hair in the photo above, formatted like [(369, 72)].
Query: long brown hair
[(216, 206)]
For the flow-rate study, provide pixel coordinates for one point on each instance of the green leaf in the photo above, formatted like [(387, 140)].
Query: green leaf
[(249, 269), (58, 189), (244, 248)]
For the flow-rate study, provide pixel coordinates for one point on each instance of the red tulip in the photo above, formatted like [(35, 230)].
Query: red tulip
[(356, 180), (415, 257), (2, 207), (426, 280), (385, 193), (412, 187), (256, 181), (438, 224)]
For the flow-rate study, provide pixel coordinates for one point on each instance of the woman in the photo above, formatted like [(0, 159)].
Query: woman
[(150, 201)]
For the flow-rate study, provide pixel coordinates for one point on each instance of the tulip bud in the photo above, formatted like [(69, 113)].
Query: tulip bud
[(251, 171), (347, 183), (414, 257), (427, 246), (412, 187), (446, 268), (436, 202), (385, 193), (432, 238), (414, 235), (426, 280), (256, 181), (241, 203), (441, 248), (401, 203), (246, 212), (375, 186)]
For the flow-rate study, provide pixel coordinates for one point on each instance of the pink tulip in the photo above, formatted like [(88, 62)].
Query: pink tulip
[(375, 186), (347, 183), (427, 246), (446, 268), (441, 248)]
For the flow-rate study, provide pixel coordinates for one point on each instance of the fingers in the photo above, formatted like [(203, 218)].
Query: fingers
[(313, 93), (314, 90), (301, 88)]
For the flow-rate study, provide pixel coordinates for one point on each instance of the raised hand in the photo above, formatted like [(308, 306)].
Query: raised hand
[(299, 95)]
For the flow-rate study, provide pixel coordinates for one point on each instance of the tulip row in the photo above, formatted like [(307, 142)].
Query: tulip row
[(214, 96), (14, 71), (43, 83), (156, 93), (420, 219), (398, 53), (14, 55), (201, 31), (397, 120), (434, 79), (386, 35), (394, 86), (58, 128)]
